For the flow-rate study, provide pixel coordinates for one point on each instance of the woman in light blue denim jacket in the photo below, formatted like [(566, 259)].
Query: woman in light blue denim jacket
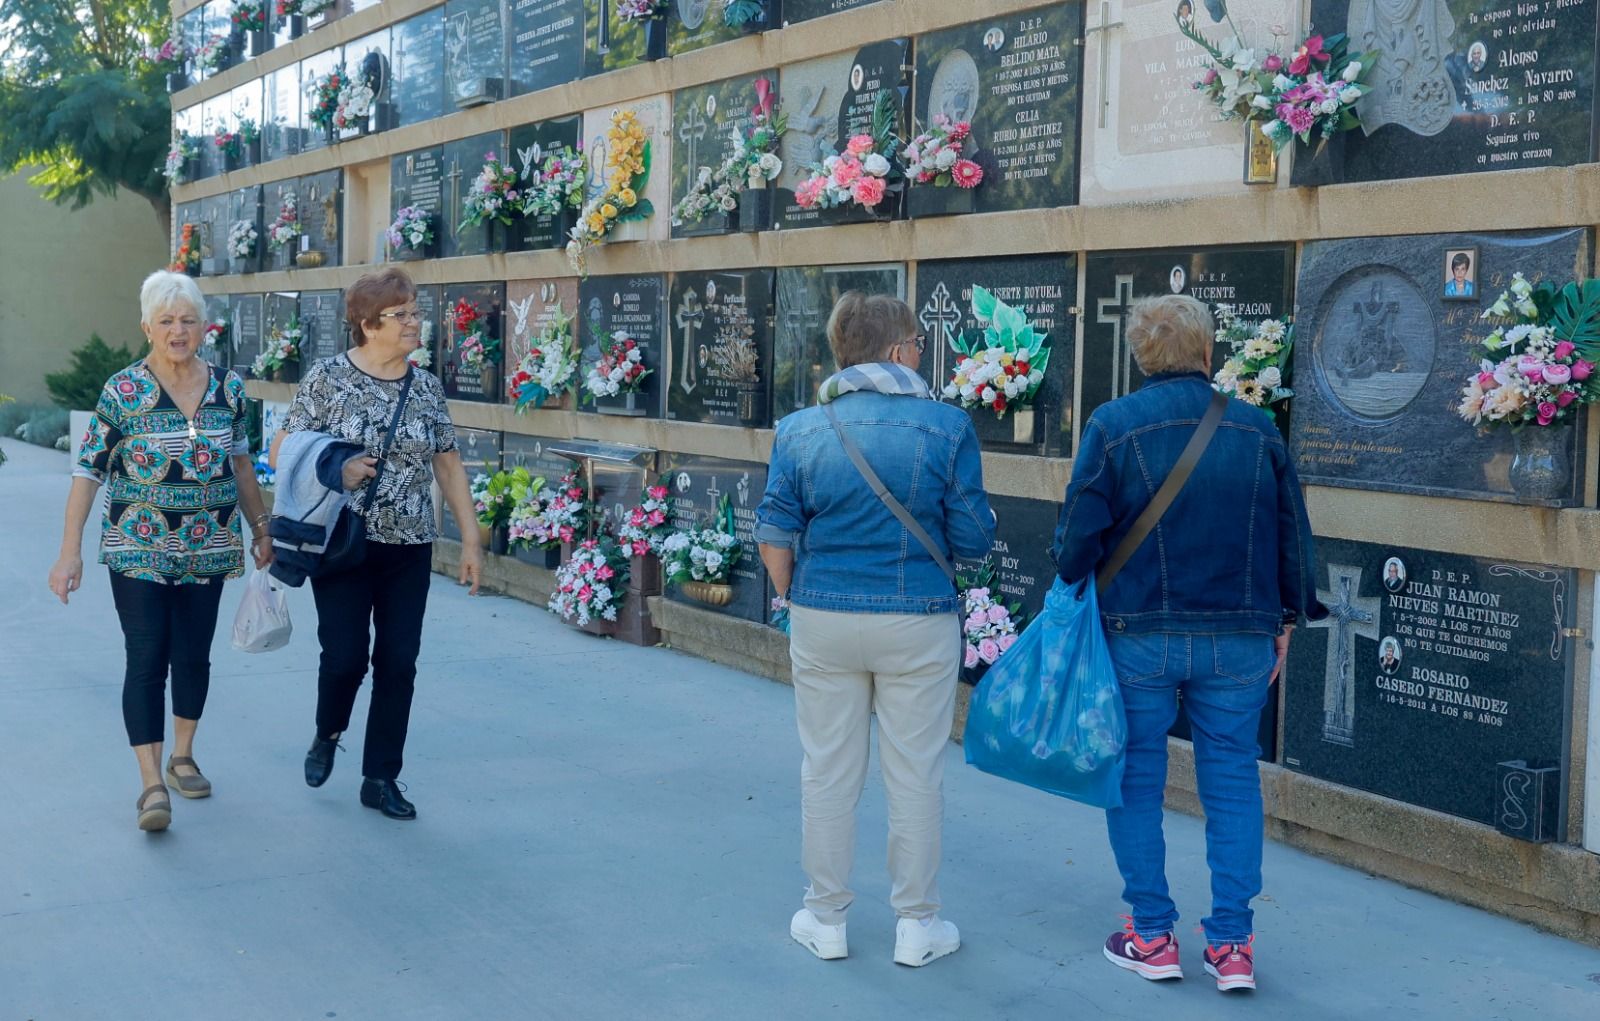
[(874, 624)]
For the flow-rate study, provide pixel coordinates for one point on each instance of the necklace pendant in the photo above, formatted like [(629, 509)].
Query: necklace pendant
[(192, 433)]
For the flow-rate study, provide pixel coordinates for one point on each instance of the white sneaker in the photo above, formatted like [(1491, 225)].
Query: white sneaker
[(826, 941), (916, 943)]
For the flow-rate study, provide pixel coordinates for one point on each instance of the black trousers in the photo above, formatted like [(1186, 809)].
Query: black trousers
[(375, 607), (164, 627)]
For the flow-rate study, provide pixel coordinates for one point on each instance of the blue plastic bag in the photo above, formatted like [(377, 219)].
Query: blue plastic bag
[(1049, 712)]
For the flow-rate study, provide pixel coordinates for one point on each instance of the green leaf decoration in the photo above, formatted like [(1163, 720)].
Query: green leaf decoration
[(983, 303), (1575, 317)]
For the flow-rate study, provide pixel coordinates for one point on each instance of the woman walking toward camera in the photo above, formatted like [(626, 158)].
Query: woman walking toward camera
[(874, 622)]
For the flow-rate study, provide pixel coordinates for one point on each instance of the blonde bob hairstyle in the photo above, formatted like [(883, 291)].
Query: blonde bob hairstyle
[(865, 328), (1171, 333), (163, 290)]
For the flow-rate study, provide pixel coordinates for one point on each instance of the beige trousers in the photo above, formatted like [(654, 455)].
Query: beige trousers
[(846, 667)]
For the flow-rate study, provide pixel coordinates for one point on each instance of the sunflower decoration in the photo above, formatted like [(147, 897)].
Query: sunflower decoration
[(619, 200)]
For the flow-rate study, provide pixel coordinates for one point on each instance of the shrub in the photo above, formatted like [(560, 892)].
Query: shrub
[(78, 388)]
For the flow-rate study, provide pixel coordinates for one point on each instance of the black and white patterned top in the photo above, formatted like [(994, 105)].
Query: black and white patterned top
[(339, 399)]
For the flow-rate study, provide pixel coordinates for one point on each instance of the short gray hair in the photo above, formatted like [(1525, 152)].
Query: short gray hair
[(165, 289)]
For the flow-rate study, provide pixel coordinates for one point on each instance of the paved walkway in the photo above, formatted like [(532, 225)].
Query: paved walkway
[(605, 833)]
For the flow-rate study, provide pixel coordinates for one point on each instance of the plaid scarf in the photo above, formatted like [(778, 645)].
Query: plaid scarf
[(879, 377)]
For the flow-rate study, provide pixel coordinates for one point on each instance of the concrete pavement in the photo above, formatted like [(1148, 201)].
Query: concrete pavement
[(605, 832)]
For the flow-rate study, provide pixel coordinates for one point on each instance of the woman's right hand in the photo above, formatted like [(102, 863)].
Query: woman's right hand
[(358, 470), (66, 576)]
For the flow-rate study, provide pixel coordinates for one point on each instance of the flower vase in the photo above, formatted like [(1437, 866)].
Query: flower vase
[(629, 405), (487, 379), (191, 170), (500, 540), (1320, 163), (1017, 431), (755, 210), (192, 268), (260, 42), (245, 265), (309, 259), (177, 81), (485, 536), (655, 39), (1541, 471), (552, 557), (232, 159), (405, 253), (928, 200), (644, 575), (297, 26), (288, 372), (330, 133), (252, 151), (707, 592)]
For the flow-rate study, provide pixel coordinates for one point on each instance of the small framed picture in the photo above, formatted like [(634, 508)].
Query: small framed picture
[(1389, 655), (1461, 274)]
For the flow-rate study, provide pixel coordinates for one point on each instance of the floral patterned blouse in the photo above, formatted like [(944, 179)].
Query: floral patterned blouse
[(339, 399), (172, 507)]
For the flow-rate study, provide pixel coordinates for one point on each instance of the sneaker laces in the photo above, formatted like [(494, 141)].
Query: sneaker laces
[(1138, 940)]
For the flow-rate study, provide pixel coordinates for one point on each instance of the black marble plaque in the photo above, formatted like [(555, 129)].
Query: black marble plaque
[(545, 42), (321, 216), (214, 234), (212, 112), (273, 197), (281, 129), (806, 296), (698, 485), (704, 121), (480, 454), (183, 215), (1431, 669), (418, 66), (1023, 567), (322, 325), (528, 146), (828, 101), (721, 327), (632, 305), (1044, 287), (695, 24), (1016, 80), (463, 159), (244, 206), (417, 179), (474, 52), (1381, 358), (796, 11), (1256, 281), (245, 330), (610, 44), (477, 384), (1463, 86)]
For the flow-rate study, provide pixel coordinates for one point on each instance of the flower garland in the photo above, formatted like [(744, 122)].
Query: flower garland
[(648, 524), (412, 228), (557, 184), (493, 194), (1258, 362), (620, 370), (282, 347), (592, 584), (621, 197), (1003, 368), (703, 554), (285, 228), (988, 627), (549, 369), (937, 156), (863, 173), (478, 348), (188, 258), (642, 10), (324, 93), (242, 238), (180, 152), (248, 16), (1538, 364), (217, 332)]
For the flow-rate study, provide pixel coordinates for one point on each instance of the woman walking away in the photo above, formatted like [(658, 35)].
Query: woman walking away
[(874, 624), (168, 441), (1204, 606), (372, 396)]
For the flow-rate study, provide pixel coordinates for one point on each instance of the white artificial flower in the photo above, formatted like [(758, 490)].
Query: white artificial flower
[(1261, 102), (635, 355), (1329, 106), (1271, 329), (1352, 71), (1349, 94), (1283, 83), (988, 395), (877, 166), (713, 561), (1270, 377), (616, 374), (772, 165)]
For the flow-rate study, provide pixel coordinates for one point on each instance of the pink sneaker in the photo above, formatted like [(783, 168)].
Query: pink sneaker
[(1155, 959), (1232, 965)]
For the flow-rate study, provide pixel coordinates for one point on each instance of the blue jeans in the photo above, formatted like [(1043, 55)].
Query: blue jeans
[(1224, 683)]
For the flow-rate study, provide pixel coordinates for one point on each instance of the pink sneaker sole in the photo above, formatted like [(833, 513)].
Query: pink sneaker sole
[(1153, 972), (1228, 983)]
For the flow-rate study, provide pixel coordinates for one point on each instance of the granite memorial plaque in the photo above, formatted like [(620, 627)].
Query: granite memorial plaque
[(1016, 80), (806, 296), (654, 115), (480, 454), (213, 112), (274, 198), (321, 219), (695, 24), (546, 43), (312, 68), (1023, 567), (463, 159), (244, 206), (529, 145), (468, 382), (1255, 281), (829, 100), (796, 11), (187, 214), (214, 234), (609, 43), (416, 178), (474, 52), (418, 65), (697, 485), (1045, 288), (281, 127), (706, 120), (611, 308), (1464, 86), (1381, 357), (1430, 670), (322, 328), (246, 331), (721, 327), (530, 305), (534, 454), (281, 311), (219, 309), (246, 103)]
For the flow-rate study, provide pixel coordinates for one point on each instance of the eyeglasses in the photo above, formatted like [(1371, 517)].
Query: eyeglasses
[(408, 315), (921, 340)]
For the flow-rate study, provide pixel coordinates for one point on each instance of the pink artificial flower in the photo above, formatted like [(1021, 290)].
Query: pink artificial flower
[(657, 518), (1210, 78), (1547, 412), (1565, 398), (1532, 368), (1273, 63), (1312, 50), (977, 620), (636, 519), (997, 614), (971, 658), (988, 651), (604, 572), (859, 145), (658, 492), (1581, 370), (585, 593), (1557, 374), (967, 174), (868, 191), (809, 191), (1301, 120), (1006, 641), (846, 171), (1486, 379), (1563, 350)]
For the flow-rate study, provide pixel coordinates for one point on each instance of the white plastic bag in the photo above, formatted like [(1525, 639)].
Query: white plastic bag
[(262, 623)]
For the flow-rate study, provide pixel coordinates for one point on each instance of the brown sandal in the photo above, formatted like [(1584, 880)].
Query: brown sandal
[(196, 786), (158, 814)]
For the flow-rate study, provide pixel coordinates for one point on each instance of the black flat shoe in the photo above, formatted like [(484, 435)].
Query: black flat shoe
[(319, 760), (384, 795)]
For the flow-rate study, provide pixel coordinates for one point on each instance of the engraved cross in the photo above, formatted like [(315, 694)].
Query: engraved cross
[(1104, 59), (1349, 616), (1113, 312)]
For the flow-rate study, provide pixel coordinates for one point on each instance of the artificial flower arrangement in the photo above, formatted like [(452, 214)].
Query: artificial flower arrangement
[(421, 357), (249, 16), (288, 9), (229, 143), (558, 184), (621, 199), (1538, 365), (179, 153), (549, 369), (592, 584), (493, 194), (171, 54), (1002, 368), (324, 93), (642, 10), (712, 192), (620, 370), (706, 555), (188, 258), (988, 626), (526, 527), (282, 349), (752, 163), (354, 103), (491, 499), (242, 237), (1258, 360), (285, 227), (648, 524), (938, 157), (742, 13), (478, 348), (214, 53), (1312, 92), (412, 228), (311, 8), (560, 516), (217, 332), (864, 173)]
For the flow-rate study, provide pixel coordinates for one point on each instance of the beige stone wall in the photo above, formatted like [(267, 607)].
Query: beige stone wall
[(65, 275)]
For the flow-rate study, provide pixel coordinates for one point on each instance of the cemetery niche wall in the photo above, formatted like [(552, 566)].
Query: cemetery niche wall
[(806, 296), (721, 325)]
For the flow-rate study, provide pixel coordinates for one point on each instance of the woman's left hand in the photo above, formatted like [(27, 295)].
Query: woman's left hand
[(261, 550), (471, 565)]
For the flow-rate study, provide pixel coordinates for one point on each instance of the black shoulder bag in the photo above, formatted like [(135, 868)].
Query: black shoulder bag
[(347, 542)]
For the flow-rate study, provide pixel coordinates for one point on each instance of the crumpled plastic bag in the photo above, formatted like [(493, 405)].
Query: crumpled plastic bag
[(262, 623)]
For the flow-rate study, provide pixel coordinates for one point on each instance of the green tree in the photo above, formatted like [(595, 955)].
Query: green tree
[(78, 101), (78, 388)]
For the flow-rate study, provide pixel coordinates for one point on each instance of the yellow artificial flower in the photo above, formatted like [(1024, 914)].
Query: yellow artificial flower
[(608, 211), (597, 225), (1006, 359), (636, 133), (628, 197)]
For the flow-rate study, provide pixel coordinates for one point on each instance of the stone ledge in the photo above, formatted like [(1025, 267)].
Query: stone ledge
[(506, 575), (741, 644)]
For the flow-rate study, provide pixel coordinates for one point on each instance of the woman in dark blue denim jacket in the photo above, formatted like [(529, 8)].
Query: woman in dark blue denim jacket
[(874, 624), (1206, 606)]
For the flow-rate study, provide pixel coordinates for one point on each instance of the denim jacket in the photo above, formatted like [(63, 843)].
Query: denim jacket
[(1234, 552), (851, 553)]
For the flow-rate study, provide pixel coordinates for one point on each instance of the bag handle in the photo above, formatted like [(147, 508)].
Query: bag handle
[(882, 493), (388, 438), (1147, 521)]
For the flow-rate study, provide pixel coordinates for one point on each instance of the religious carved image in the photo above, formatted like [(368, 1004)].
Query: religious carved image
[(1389, 656), (1394, 574), (1378, 346), (1460, 274), (1410, 85)]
